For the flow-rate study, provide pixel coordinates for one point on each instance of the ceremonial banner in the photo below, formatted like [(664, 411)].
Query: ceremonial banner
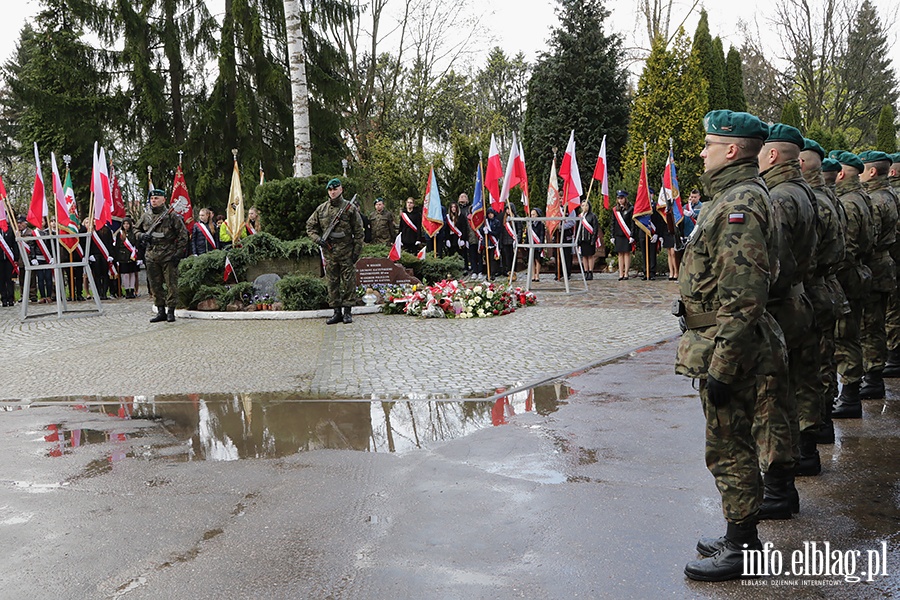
[(179, 190)]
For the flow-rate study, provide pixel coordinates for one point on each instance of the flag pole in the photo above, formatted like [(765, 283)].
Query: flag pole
[(646, 234), (67, 159), (487, 256)]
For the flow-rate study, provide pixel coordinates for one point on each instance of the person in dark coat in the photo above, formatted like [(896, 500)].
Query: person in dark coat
[(204, 236), (508, 243), (588, 242), (538, 228), (622, 238), (411, 226), (9, 255), (126, 256), (493, 226)]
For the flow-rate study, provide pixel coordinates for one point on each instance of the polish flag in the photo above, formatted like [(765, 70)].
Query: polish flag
[(421, 254), (229, 270), (102, 191), (511, 178), (395, 250), (601, 174), (37, 210), (4, 221), (493, 174), (568, 172), (523, 178)]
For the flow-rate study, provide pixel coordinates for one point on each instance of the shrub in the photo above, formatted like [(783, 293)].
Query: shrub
[(302, 292), (432, 270), (286, 204)]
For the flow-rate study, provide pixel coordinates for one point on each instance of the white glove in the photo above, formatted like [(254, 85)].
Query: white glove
[(462, 244), (140, 263), (33, 261), (109, 260), (612, 241), (448, 243), (654, 238), (52, 260), (92, 259), (631, 240)]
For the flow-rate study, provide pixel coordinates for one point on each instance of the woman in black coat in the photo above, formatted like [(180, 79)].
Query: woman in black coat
[(411, 226), (588, 242), (128, 261), (538, 229), (621, 239)]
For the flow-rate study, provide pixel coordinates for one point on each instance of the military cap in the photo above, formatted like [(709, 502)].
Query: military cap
[(813, 146), (21, 219), (621, 194), (829, 165), (158, 192), (734, 124), (870, 156), (849, 159), (377, 200), (334, 183), (834, 154), (895, 158), (779, 132)]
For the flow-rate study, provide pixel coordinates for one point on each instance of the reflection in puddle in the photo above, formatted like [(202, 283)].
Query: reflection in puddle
[(223, 427)]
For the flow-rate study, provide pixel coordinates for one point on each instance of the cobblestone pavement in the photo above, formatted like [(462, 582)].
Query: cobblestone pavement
[(121, 353)]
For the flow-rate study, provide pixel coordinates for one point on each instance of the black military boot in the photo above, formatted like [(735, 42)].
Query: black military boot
[(347, 318), (170, 317), (892, 367), (810, 463), (872, 387), (847, 405), (336, 317), (825, 434), (727, 562), (779, 496), (160, 315)]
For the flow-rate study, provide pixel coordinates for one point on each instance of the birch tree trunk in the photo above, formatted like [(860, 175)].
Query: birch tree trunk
[(299, 89)]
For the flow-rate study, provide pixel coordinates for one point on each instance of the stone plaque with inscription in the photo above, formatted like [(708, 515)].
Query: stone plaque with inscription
[(374, 271)]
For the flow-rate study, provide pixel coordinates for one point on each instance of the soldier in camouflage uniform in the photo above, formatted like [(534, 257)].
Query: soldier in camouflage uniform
[(782, 397), (729, 338), (341, 250), (166, 246), (892, 314), (384, 230), (825, 292), (830, 170), (855, 277), (884, 278)]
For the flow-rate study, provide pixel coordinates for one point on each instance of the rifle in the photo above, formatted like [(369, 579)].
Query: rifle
[(144, 238), (344, 207)]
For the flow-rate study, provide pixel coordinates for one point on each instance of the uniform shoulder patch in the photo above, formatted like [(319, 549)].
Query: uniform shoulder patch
[(736, 218)]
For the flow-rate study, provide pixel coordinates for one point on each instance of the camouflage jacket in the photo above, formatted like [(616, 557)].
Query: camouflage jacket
[(727, 268), (384, 230), (830, 226), (793, 202), (169, 240), (347, 236), (884, 216), (853, 272)]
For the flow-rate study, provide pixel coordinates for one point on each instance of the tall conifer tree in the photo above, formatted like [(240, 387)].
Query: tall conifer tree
[(734, 81)]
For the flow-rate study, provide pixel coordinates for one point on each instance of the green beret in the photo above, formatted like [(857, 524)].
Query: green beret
[(895, 158), (779, 132), (334, 183), (849, 159), (158, 192), (813, 146), (829, 165), (834, 154), (377, 200), (870, 156), (734, 124)]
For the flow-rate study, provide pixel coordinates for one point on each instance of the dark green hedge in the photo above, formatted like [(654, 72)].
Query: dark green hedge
[(286, 204), (303, 292)]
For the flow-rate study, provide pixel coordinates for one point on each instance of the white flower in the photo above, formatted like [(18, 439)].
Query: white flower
[(490, 294), (478, 289), (480, 312)]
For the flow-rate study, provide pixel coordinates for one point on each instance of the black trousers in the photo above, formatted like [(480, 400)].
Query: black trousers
[(7, 288)]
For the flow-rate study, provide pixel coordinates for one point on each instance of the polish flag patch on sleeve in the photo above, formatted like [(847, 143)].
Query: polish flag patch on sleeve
[(736, 218)]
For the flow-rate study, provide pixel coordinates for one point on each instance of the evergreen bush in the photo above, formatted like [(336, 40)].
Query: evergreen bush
[(302, 292), (286, 204)]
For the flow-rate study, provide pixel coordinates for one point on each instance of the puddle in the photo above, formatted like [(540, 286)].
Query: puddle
[(223, 427)]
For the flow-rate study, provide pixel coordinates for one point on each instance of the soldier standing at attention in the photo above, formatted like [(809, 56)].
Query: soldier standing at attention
[(729, 338), (384, 230), (830, 170), (784, 398), (825, 293), (892, 314), (884, 280), (165, 247), (341, 249), (856, 280)]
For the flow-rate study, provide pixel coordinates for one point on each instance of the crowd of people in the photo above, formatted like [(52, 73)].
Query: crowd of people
[(788, 283)]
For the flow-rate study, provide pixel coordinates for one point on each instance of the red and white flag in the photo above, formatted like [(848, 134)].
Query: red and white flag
[(492, 176), (229, 270), (4, 221), (568, 171), (395, 249), (601, 173), (421, 253), (179, 190), (118, 201), (101, 188), (523, 179), (511, 178), (37, 210)]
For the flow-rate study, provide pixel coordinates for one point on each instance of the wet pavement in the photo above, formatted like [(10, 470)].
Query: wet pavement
[(590, 486)]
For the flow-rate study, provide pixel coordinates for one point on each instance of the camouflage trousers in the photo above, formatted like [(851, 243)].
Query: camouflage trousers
[(161, 274), (731, 451), (872, 334), (847, 349), (340, 272), (892, 320), (828, 387)]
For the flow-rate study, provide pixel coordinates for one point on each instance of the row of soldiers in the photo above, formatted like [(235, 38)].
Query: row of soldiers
[(788, 280)]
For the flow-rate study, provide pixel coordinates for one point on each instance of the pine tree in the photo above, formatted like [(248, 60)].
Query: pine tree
[(734, 81), (790, 115), (670, 102), (887, 131), (580, 84), (712, 66)]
